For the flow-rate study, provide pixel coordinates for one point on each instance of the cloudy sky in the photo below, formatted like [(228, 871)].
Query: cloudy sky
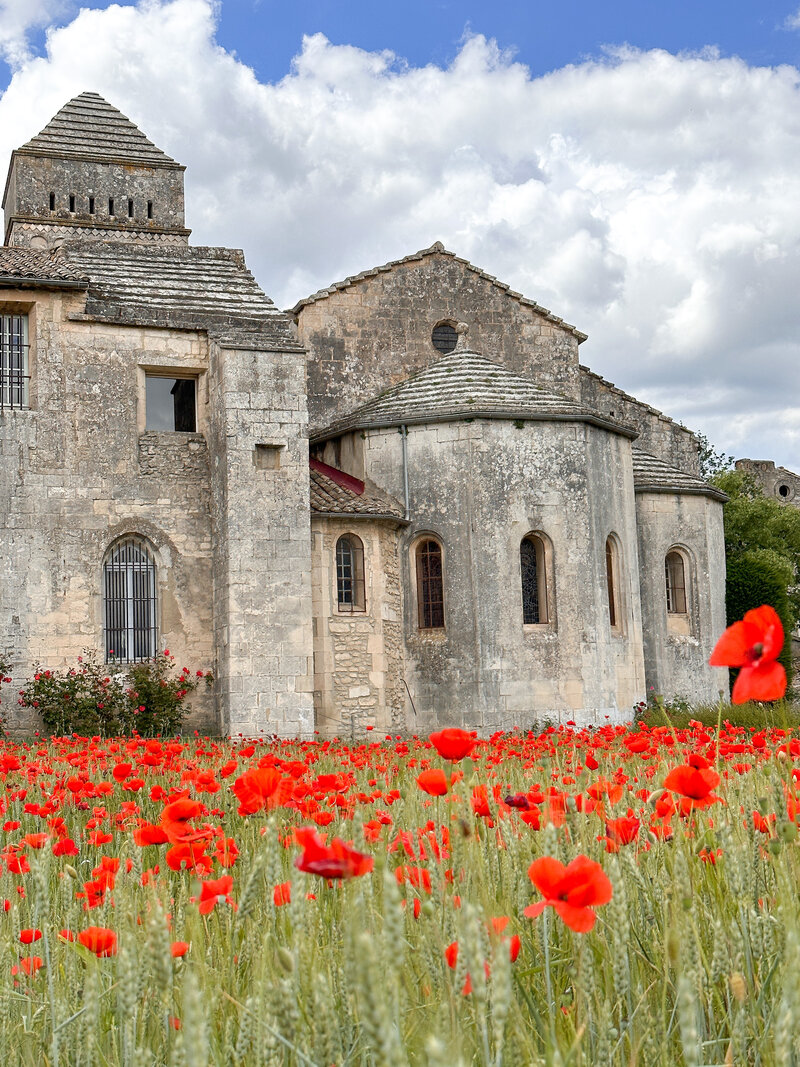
[(632, 165)]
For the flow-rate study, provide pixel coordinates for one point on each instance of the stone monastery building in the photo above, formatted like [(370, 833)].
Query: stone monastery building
[(402, 503)]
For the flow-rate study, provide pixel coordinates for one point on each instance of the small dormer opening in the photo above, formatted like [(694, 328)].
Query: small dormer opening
[(111, 206), (52, 201), (149, 209), (130, 209), (91, 205), (72, 203)]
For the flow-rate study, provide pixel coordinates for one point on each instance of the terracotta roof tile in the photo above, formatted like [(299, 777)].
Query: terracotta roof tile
[(335, 496)]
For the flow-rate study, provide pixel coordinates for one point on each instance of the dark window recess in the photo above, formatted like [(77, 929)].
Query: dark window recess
[(611, 583), (350, 590), (52, 201), (111, 206), (530, 582), (444, 338), (676, 583), (130, 209), (91, 205), (130, 602), (170, 404), (784, 490), (149, 209), (430, 586), (72, 202)]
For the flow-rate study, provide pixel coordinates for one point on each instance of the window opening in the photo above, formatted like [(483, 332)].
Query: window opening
[(170, 404), (111, 206), (611, 582), (52, 201), (91, 205), (130, 209), (534, 586), (675, 574), (130, 602), (430, 586), (784, 491), (72, 203), (149, 209), (14, 377), (350, 587), (444, 338)]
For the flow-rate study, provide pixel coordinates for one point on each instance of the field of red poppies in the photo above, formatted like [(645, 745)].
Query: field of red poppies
[(577, 896), (605, 896)]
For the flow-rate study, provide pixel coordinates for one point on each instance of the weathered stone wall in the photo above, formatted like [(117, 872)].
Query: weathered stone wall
[(76, 472), (676, 664), (777, 482), (358, 656), (262, 552), (377, 332), (659, 435), (34, 178), (574, 484)]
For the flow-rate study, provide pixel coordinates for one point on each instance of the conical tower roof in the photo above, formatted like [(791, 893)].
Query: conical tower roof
[(89, 127)]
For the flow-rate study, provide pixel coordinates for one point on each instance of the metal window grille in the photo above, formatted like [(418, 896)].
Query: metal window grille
[(131, 602), (14, 375), (610, 582), (444, 338), (430, 586), (350, 574), (530, 582), (675, 576)]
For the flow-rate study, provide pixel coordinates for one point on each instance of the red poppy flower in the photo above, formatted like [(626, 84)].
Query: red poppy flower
[(214, 892), (29, 964), (753, 645), (453, 744), (176, 817), (261, 787), (433, 782), (179, 948), (337, 860), (622, 831), (573, 890), (696, 781), (28, 936), (99, 940), (282, 894)]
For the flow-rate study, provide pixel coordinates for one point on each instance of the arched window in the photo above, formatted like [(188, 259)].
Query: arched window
[(350, 591), (675, 576), (534, 580), (130, 601), (430, 585), (612, 583)]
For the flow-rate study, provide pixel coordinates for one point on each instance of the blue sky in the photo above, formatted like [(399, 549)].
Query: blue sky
[(266, 34), (632, 166)]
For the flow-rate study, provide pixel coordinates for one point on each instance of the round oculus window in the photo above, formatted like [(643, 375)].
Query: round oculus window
[(444, 338), (784, 491)]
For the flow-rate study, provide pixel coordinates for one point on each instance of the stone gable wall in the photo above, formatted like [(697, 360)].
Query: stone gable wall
[(372, 335)]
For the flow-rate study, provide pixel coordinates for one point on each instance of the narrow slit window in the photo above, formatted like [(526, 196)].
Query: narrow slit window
[(170, 404), (130, 602), (675, 577), (72, 203), (91, 205), (534, 584), (149, 209), (611, 582), (430, 585), (52, 201), (350, 586), (130, 209), (111, 206)]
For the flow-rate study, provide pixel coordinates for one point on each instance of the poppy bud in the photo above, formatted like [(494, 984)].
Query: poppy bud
[(285, 960), (70, 870)]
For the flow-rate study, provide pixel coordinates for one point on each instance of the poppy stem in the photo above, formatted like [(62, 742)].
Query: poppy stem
[(547, 977)]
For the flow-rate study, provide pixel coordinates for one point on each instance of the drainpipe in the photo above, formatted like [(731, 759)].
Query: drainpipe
[(404, 437)]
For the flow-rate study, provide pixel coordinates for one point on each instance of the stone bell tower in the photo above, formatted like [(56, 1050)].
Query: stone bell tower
[(91, 173)]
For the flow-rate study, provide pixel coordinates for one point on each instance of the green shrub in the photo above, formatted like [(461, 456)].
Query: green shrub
[(5, 669), (110, 699), (756, 578)]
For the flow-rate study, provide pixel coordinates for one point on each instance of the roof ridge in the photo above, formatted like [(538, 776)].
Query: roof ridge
[(437, 248)]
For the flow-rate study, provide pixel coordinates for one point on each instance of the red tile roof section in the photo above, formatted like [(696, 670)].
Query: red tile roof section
[(346, 481)]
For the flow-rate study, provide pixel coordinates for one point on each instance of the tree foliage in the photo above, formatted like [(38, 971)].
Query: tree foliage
[(712, 461)]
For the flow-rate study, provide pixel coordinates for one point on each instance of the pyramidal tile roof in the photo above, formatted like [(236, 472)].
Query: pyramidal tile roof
[(88, 126), (465, 385), (436, 249), (653, 475)]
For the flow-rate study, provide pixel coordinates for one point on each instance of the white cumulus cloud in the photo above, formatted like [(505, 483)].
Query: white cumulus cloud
[(648, 198)]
